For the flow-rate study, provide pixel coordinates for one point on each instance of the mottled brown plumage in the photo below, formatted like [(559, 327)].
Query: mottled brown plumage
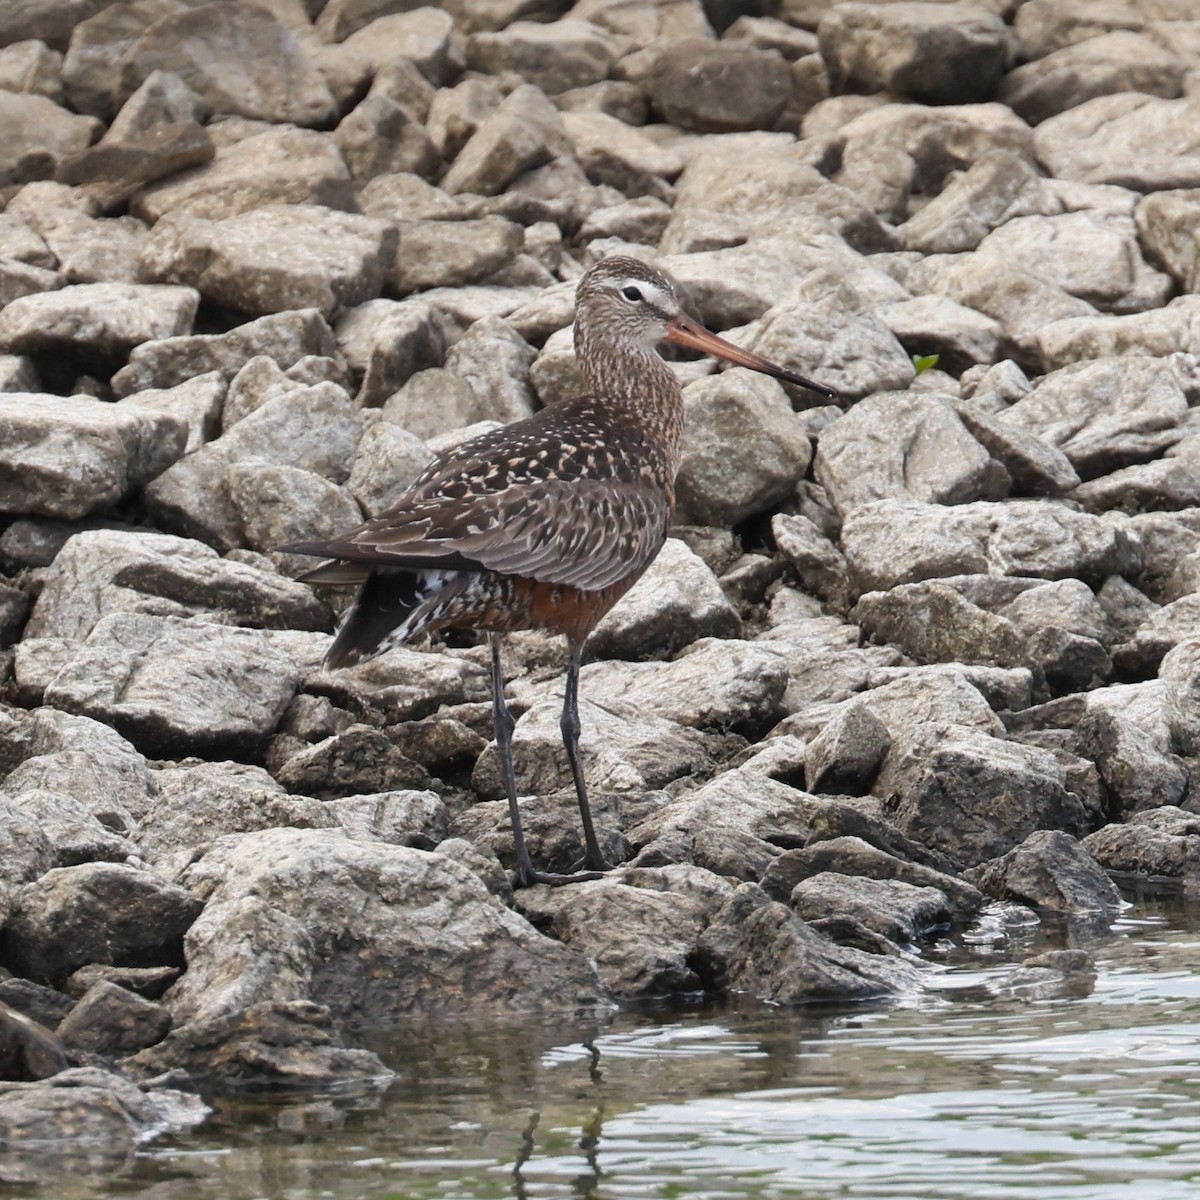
[(545, 523)]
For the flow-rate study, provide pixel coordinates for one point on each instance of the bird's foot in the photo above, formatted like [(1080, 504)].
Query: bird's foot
[(528, 876)]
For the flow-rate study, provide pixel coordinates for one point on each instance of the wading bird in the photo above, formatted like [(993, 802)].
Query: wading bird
[(545, 523)]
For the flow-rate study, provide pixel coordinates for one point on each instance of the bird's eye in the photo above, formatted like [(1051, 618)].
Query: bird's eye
[(631, 293)]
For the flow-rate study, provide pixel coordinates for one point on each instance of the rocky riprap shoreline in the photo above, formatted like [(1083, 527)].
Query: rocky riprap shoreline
[(936, 647)]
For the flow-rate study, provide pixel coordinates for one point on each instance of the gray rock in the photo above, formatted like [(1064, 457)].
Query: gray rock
[(1121, 61), (524, 132), (92, 1119), (719, 87), (1022, 301), (359, 760), (741, 801), (291, 1044), (494, 361), (98, 319), (434, 401), (285, 337), (31, 66), (846, 754), (278, 504), (385, 132), (408, 818), (106, 571), (898, 911), (745, 449), (1129, 139), (853, 856), (640, 928), (735, 855), (676, 602), (197, 402), (904, 446), (177, 686), (92, 66), (31, 1051), (286, 894), (1170, 482), (91, 763), (454, 116), (385, 342), (69, 456), (162, 99), (959, 336), (1166, 224), (622, 750), (424, 36), (237, 60), (995, 188), (1092, 256), (1035, 467), (1054, 975), (933, 54), (933, 622), (148, 982), (1137, 769), (1047, 26), (824, 659), (614, 153), (280, 165), (563, 54), (887, 148), (1049, 870), (1157, 333), (818, 563), (112, 171), (388, 461), (37, 133), (198, 803), (715, 683), (760, 946), (113, 1021), (311, 428), (1162, 842), (889, 542), (1105, 413), (69, 833), (96, 912), (830, 338), (274, 258), (451, 253), (975, 797)]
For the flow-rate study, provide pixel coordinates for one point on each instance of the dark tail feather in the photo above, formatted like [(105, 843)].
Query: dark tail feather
[(384, 614)]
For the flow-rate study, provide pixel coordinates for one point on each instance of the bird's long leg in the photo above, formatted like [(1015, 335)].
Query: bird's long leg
[(502, 720), (593, 857)]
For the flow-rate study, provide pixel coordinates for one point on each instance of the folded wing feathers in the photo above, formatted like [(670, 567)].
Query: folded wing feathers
[(577, 533)]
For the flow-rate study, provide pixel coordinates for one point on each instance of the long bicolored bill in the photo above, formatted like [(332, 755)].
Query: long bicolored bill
[(683, 331)]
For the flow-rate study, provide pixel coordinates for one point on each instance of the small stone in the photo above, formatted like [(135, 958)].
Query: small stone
[(112, 1021), (237, 59), (676, 602), (274, 258), (70, 456), (745, 451), (524, 132), (935, 54), (103, 320), (719, 87), (177, 686), (97, 912)]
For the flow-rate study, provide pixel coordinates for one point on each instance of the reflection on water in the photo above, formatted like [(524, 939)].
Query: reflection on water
[(956, 1095)]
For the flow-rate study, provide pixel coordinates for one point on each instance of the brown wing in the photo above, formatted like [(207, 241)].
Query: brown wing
[(581, 533)]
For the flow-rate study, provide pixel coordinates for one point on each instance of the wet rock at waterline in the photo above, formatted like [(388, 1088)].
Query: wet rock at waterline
[(936, 640)]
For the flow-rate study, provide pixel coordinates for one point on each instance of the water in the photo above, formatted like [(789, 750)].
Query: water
[(955, 1095)]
